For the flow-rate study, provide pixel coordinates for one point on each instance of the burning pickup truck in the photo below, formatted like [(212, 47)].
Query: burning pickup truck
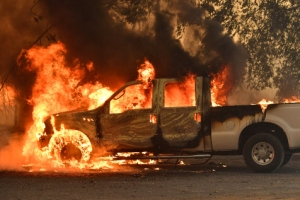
[(173, 118)]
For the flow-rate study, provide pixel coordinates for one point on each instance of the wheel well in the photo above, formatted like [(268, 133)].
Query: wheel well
[(263, 127)]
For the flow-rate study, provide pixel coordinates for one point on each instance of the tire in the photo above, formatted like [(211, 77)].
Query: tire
[(287, 158), (263, 153), (69, 144), (70, 152)]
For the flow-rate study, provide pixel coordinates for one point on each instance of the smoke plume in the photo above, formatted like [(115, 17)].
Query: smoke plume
[(176, 37), (91, 34)]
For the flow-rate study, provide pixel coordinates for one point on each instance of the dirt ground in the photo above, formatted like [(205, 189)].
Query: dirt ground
[(223, 177)]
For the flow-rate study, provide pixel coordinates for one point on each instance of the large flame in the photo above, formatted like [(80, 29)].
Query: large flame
[(179, 94), (57, 89), (221, 85)]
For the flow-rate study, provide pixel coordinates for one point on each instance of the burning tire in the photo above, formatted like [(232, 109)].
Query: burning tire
[(263, 153), (70, 152), (70, 145)]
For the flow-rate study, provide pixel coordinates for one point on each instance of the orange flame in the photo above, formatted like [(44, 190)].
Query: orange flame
[(185, 90), (221, 85), (136, 96), (264, 104), (57, 89), (293, 99), (146, 73)]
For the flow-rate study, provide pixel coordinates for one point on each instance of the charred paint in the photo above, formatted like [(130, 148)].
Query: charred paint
[(131, 128), (223, 113), (84, 121), (178, 125)]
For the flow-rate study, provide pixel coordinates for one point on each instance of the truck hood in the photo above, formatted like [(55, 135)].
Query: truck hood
[(72, 119)]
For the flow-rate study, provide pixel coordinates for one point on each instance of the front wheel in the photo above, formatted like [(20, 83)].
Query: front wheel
[(70, 144), (263, 153)]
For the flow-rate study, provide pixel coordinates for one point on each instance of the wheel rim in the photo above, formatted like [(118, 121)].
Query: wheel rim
[(263, 153)]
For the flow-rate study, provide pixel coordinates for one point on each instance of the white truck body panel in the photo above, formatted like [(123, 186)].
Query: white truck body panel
[(225, 135), (287, 116)]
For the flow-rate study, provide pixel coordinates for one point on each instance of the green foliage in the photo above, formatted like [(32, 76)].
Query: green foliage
[(268, 30), (131, 11)]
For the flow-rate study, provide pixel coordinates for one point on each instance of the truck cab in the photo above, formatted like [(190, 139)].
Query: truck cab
[(170, 117)]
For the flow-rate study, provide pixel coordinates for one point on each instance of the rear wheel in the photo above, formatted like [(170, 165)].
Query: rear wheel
[(287, 158), (263, 153)]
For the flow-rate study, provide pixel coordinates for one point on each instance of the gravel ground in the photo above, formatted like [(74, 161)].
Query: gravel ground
[(223, 177)]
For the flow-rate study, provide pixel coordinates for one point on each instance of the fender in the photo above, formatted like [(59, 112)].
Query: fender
[(228, 122), (287, 117)]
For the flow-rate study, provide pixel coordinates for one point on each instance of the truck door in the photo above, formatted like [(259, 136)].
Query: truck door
[(180, 112), (130, 122)]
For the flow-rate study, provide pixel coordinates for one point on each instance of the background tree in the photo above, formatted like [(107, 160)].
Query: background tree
[(268, 30)]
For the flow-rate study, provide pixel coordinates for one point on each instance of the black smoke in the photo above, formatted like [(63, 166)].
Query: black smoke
[(90, 34)]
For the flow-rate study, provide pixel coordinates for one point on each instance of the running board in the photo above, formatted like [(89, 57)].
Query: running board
[(161, 157)]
